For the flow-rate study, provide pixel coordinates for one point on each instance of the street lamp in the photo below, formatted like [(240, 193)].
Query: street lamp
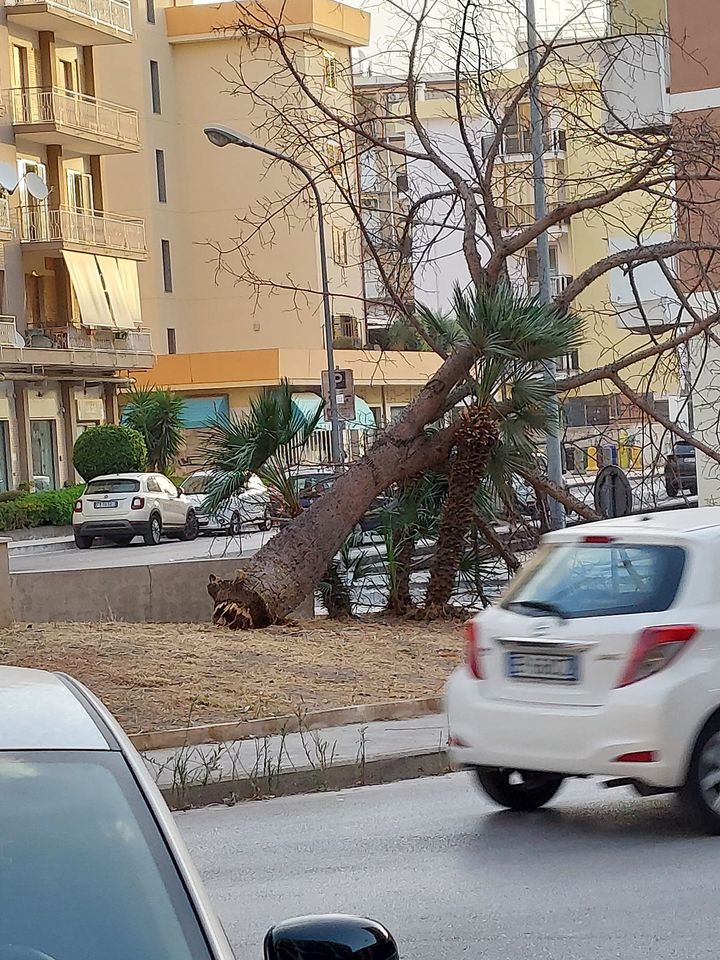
[(222, 136)]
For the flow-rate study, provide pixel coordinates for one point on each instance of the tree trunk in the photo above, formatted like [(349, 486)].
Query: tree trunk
[(286, 570), (476, 439), (399, 598)]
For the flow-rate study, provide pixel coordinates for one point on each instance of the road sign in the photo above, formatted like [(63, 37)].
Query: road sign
[(344, 394)]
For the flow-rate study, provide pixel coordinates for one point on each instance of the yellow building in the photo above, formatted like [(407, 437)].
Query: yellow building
[(224, 326), (70, 316)]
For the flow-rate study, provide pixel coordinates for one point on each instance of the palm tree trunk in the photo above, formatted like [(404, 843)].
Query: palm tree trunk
[(476, 440), (399, 599), (286, 570)]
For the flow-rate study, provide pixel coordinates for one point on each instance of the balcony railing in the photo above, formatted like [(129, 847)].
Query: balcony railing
[(85, 115), (515, 216), (558, 283), (8, 331), (83, 228), (81, 338), (6, 225), (112, 14), (519, 143)]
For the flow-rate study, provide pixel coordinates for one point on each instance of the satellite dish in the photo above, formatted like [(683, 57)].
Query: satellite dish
[(8, 176), (36, 186)]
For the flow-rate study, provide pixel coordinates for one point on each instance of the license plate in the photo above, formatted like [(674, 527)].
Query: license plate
[(105, 504), (541, 666)]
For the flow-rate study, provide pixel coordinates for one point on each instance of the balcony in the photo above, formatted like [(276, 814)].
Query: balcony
[(517, 216), (51, 230), (558, 283), (72, 120), (347, 333), (75, 347), (86, 23), (519, 144)]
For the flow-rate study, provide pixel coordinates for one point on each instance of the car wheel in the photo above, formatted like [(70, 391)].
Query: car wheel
[(700, 794), (121, 541), (267, 520), (191, 530), (153, 532), (518, 789), (83, 543), (235, 526)]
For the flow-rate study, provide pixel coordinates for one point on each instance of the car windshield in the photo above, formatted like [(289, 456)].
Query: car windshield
[(115, 485), (196, 486), (597, 579), (84, 872)]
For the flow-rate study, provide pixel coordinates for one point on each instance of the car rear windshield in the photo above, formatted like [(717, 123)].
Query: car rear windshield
[(118, 485), (597, 580)]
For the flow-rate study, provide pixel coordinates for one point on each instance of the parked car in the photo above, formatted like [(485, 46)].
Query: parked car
[(120, 507), (251, 505), (92, 862), (309, 483), (681, 470), (601, 659)]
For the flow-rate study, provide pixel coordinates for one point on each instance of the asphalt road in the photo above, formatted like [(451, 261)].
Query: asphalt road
[(597, 875), (137, 554)]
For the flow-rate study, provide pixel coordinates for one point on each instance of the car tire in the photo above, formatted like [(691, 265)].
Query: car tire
[(267, 520), (530, 791), (191, 530), (700, 794), (83, 543), (234, 528), (153, 532)]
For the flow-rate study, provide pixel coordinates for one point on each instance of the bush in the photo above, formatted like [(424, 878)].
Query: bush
[(109, 449), (53, 507)]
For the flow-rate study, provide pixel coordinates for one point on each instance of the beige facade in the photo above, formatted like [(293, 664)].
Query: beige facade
[(70, 316)]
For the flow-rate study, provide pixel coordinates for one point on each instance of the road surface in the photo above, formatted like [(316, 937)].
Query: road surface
[(137, 554), (597, 876)]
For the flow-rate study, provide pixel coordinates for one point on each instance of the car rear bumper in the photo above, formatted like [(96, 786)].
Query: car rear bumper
[(110, 528), (572, 740)]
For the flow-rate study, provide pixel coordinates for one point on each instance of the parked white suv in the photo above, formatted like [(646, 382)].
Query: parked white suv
[(248, 506), (120, 507), (602, 658)]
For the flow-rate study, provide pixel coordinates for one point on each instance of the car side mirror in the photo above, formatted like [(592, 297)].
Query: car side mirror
[(332, 937)]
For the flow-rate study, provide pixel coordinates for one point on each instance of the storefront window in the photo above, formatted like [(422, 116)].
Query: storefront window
[(44, 453), (5, 463)]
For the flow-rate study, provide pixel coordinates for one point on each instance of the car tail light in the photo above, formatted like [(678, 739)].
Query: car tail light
[(596, 538), (78, 506), (655, 648), (473, 654), (137, 503)]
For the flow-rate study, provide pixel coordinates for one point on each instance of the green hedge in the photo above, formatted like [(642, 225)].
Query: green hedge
[(50, 507)]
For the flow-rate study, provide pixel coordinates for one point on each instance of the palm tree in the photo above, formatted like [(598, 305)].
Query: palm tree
[(509, 404), (267, 441), (157, 414)]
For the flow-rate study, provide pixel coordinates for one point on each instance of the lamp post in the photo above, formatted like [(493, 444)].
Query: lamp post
[(554, 456), (222, 136)]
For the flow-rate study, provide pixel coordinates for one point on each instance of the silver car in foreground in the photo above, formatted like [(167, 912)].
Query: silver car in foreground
[(92, 866)]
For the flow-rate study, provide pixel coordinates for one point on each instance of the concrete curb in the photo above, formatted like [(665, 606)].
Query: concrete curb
[(274, 726), (426, 763), (26, 548)]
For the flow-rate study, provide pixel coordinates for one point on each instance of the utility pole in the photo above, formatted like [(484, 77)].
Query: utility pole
[(537, 138)]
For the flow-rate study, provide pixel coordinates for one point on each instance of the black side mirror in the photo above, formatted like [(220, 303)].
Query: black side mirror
[(332, 937)]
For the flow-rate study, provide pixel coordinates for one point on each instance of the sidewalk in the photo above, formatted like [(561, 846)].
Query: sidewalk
[(301, 762)]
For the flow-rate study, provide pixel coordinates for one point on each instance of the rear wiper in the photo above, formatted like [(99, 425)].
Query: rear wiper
[(539, 605)]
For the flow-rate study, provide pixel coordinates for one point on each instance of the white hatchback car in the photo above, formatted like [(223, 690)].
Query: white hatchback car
[(602, 658), (93, 864), (120, 507), (248, 506)]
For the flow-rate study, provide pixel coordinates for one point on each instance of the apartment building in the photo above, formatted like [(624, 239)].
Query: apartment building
[(225, 323), (596, 415), (71, 328)]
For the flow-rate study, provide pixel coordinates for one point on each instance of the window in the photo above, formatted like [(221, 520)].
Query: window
[(333, 152), (153, 486), (340, 245), (155, 86), (171, 340), (532, 262), (167, 487), (121, 485), (160, 175), (166, 266), (5, 461), (568, 362), (330, 70), (150, 10), (80, 190), (65, 816), (70, 77), (43, 441), (595, 580), (346, 327)]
